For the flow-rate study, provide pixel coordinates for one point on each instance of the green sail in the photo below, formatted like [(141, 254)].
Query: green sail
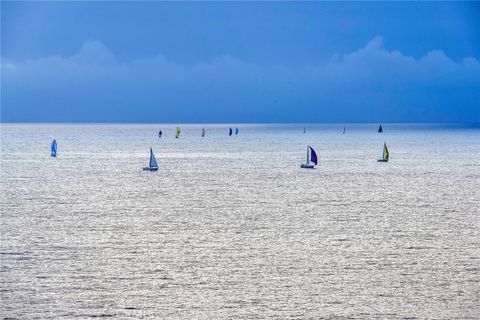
[(385, 152)]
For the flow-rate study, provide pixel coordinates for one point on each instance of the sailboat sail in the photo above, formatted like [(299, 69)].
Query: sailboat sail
[(313, 155), (230, 132), (380, 129), (53, 148), (236, 131), (177, 133), (344, 130), (304, 130), (203, 132), (385, 152), (153, 161)]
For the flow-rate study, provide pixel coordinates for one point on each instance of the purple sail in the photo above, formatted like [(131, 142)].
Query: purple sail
[(314, 155)]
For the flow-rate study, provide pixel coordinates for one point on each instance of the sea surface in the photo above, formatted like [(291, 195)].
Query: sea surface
[(233, 228)]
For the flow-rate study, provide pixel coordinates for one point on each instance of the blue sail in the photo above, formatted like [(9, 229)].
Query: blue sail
[(153, 161), (313, 156), (152, 164), (230, 132), (53, 148), (380, 129), (236, 131)]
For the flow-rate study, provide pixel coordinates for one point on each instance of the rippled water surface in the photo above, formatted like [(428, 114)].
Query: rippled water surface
[(232, 228)]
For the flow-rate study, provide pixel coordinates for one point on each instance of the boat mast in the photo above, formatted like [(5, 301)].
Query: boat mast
[(308, 158)]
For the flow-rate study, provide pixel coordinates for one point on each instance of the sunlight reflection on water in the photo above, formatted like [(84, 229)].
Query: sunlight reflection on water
[(231, 227)]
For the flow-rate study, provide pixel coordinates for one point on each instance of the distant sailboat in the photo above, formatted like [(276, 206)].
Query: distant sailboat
[(177, 133), (230, 132), (236, 131), (203, 132), (304, 130), (380, 129), (153, 166), (385, 155), (343, 129), (160, 133), (53, 148), (311, 159)]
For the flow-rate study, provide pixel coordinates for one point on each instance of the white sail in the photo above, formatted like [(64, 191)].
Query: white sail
[(311, 159), (153, 161)]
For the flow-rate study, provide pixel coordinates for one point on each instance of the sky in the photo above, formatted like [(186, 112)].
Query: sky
[(170, 62)]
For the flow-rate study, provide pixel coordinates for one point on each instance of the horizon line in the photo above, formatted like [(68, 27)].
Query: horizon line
[(244, 123)]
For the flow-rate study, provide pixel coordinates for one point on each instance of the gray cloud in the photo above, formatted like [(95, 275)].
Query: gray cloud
[(370, 84)]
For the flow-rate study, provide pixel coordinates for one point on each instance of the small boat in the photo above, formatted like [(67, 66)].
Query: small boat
[(385, 154), (380, 129), (311, 159), (343, 129), (177, 133), (53, 148), (203, 132), (153, 166), (230, 132), (236, 131), (304, 130), (160, 133)]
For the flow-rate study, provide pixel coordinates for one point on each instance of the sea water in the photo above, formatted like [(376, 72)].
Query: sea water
[(233, 228)]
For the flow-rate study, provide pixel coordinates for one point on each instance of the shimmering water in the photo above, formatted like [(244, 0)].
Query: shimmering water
[(232, 228)]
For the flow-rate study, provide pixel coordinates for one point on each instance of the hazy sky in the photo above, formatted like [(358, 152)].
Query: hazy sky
[(240, 62)]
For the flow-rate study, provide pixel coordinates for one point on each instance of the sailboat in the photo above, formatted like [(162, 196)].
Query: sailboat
[(304, 130), (311, 159), (236, 131), (230, 132), (160, 133), (203, 132), (380, 130), (53, 148), (385, 155), (177, 133), (153, 166), (343, 129)]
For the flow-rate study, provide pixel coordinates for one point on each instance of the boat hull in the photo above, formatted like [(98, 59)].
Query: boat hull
[(381, 160), (150, 169), (307, 166)]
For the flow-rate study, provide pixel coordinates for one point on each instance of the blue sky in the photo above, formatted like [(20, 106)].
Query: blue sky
[(240, 62)]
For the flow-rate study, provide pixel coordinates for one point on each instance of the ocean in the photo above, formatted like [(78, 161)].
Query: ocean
[(233, 228)]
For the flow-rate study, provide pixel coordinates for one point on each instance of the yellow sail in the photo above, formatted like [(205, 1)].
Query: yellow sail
[(177, 134), (385, 151)]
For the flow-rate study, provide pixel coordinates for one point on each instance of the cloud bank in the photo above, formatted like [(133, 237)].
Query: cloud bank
[(370, 84)]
